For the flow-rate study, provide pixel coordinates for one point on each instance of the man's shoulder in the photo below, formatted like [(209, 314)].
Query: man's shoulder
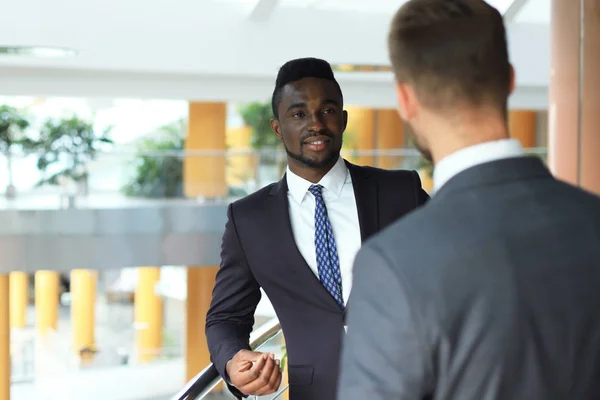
[(579, 194), (250, 202), (404, 231), (394, 180), (386, 174), (399, 190)]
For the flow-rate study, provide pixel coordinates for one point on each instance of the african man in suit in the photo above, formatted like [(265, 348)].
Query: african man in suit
[(297, 240)]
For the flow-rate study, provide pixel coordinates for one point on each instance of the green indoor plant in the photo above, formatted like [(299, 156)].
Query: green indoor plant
[(157, 175), (258, 117), (66, 146), (13, 124)]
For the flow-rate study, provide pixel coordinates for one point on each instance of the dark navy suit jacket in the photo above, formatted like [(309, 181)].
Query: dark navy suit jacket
[(259, 250)]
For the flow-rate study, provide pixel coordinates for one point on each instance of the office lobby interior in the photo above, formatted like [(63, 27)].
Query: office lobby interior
[(127, 128)]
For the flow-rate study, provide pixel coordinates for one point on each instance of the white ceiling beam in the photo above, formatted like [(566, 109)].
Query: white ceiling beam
[(514, 9), (263, 10), (50, 82)]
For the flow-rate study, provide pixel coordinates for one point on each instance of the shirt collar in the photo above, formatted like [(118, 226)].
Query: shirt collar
[(471, 156), (333, 181)]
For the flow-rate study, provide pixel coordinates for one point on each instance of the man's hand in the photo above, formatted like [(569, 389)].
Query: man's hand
[(254, 373)]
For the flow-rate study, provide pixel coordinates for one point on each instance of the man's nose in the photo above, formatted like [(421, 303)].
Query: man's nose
[(316, 123)]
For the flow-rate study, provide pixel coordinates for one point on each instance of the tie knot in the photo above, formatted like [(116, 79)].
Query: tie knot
[(316, 190)]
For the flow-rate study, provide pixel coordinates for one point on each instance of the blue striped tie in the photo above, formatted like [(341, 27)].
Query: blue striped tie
[(328, 262)]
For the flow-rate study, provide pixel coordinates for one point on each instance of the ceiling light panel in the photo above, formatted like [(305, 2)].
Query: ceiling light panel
[(37, 51)]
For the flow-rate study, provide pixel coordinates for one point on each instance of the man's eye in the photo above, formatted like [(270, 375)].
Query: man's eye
[(328, 111), (298, 114)]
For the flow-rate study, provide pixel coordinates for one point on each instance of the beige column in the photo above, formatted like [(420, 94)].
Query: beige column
[(200, 283), (19, 299), (360, 133), (204, 174), (83, 312), (242, 165), (5, 373), (574, 119), (522, 126), (372, 129), (389, 136), (148, 310), (47, 287)]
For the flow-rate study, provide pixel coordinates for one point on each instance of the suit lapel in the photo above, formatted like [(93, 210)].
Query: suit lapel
[(367, 204), (284, 236), (365, 193)]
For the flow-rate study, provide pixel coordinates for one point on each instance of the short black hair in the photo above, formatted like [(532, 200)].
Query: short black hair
[(297, 69)]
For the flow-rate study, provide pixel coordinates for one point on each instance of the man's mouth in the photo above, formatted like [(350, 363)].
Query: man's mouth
[(318, 143)]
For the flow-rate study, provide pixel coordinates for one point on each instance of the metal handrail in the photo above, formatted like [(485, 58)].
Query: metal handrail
[(205, 381)]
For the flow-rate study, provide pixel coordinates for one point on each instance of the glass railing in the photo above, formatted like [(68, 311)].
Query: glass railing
[(123, 177), (207, 380), (22, 359)]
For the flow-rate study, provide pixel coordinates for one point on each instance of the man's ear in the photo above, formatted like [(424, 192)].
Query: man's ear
[(513, 80), (345, 119), (276, 128), (407, 100)]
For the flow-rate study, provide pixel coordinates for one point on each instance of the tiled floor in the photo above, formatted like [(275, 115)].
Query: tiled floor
[(57, 371), (58, 376)]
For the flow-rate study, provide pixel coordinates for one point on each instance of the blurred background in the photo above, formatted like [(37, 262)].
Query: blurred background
[(126, 128)]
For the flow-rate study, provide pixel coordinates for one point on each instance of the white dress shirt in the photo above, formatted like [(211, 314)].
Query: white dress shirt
[(471, 156), (338, 194)]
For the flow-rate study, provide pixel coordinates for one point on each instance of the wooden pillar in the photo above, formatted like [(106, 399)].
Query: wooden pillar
[(574, 120), (204, 174), (522, 126), (200, 283), (19, 299), (207, 130), (361, 132), (148, 314), (389, 136), (46, 301), (372, 130), (83, 311), (5, 374), (241, 166)]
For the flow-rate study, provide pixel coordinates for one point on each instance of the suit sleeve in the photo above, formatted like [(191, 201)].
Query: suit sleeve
[(421, 195), (236, 294), (384, 354)]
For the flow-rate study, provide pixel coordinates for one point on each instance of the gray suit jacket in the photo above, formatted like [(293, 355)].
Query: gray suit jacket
[(491, 291)]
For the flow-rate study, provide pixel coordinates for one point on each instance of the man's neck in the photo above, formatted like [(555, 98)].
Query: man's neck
[(467, 132), (311, 174), (443, 150)]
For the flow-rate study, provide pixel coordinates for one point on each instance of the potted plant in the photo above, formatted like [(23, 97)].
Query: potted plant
[(66, 146), (12, 127), (157, 175)]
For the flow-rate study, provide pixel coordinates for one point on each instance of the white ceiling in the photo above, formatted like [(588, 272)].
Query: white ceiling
[(387, 7), (162, 47), (535, 12)]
